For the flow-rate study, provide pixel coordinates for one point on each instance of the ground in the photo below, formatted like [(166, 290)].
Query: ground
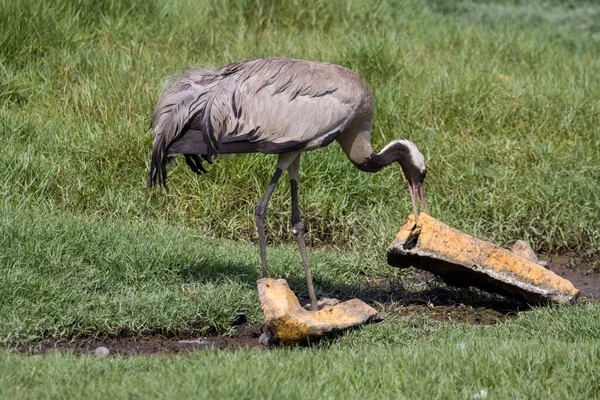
[(392, 297)]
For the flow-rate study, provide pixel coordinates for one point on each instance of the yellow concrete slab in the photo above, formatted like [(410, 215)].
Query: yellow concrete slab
[(289, 322), (462, 260)]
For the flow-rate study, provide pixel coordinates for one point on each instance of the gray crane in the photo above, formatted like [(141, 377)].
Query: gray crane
[(274, 106)]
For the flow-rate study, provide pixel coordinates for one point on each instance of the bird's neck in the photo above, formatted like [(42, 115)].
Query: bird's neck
[(398, 150), (357, 146)]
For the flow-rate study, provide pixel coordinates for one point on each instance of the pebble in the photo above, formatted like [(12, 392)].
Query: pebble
[(101, 352), (266, 339)]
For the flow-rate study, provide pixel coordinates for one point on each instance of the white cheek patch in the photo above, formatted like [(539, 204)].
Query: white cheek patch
[(415, 154)]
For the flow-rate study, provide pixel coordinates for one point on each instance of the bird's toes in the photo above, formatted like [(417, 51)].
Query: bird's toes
[(324, 303), (327, 302)]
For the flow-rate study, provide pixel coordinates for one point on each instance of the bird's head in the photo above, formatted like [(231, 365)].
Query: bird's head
[(412, 162)]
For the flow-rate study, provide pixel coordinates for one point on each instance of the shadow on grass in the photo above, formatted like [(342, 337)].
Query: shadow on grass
[(416, 296), (418, 292), (217, 272), (423, 294)]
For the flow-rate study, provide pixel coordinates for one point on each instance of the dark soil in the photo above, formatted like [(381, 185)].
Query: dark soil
[(417, 293), (246, 336), (582, 274)]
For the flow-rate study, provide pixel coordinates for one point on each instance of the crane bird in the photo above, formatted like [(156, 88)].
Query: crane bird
[(274, 106)]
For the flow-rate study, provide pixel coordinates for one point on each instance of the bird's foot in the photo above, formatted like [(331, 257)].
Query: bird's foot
[(323, 303)]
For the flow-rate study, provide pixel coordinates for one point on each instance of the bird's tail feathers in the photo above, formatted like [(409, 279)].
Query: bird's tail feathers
[(183, 98), (177, 106), (158, 165)]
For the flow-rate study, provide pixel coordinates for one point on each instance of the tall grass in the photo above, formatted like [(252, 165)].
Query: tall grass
[(502, 98)]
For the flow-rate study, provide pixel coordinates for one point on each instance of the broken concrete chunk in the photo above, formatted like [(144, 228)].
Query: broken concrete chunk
[(462, 260), (289, 322)]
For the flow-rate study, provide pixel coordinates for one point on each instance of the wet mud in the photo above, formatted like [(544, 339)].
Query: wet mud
[(584, 275), (245, 337)]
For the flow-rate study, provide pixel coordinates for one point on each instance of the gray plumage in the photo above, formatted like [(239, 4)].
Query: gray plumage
[(274, 106), (267, 106)]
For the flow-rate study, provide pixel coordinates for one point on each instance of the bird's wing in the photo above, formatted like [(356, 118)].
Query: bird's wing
[(275, 105)]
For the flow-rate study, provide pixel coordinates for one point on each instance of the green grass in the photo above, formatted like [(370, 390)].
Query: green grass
[(68, 276), (508, 160), (64, 276), (501, 96), (526, 358)]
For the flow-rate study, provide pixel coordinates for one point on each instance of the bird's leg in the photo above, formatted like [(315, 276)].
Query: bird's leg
[(260, 213), (298, 230)]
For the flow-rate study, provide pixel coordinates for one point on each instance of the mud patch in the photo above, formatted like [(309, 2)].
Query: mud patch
[(246, 337), (440, 304), (583, 274), (390, 300), (409, 294), (425, 294), (462, 313)]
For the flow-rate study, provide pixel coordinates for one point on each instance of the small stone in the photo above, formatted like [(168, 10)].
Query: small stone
[(101, 352), (267, 339), (523, 249)]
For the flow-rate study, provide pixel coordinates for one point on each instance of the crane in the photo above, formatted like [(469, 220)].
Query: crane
[(274, 106)]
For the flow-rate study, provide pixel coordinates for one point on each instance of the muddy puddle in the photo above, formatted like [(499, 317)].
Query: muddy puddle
[(418, 293)]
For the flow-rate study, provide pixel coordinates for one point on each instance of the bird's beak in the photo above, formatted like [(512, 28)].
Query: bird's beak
[(417, 193)]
